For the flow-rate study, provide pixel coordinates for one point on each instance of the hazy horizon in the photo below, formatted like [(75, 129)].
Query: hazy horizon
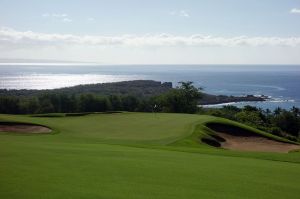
[(55, 62)]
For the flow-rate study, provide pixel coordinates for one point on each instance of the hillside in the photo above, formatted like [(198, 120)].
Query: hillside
[(141, 88)]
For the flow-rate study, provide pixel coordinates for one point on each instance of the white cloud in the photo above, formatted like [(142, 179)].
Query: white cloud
[(45, 15), (295, 11), (184, 13), (67, 20), (11, 36), (61, 17), (91, 19), (55, 15), (180, 13)]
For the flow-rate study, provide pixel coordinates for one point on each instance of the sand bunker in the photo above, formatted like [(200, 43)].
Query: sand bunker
[(23, 128), (235, 138)]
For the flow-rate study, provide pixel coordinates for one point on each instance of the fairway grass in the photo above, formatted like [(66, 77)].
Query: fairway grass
[(137, 155)]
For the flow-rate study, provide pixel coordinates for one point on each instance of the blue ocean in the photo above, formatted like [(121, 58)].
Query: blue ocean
[(280, 82)]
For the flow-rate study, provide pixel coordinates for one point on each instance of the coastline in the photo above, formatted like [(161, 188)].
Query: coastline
[(209, 99), (148, 88), (271, 103)]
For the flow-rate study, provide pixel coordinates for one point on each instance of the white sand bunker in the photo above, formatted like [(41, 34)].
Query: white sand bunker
[(23, 128), (234, 138)]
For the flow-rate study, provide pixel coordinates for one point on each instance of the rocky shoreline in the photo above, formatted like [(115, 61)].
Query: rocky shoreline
[(208, 99)]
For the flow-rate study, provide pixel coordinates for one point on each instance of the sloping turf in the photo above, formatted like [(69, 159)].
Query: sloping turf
[(137, 155)]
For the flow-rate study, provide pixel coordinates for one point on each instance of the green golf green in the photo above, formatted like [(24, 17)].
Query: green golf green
[(138, 155)]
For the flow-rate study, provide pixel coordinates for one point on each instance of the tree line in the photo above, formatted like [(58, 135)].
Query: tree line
[(182, 99)]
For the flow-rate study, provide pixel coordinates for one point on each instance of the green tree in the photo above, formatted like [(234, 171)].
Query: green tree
[(130, 103), (116, 102), (46, 106), (288, 122), (29, 105), (183, 99), (250, 117), (9, 104), (93, 103)]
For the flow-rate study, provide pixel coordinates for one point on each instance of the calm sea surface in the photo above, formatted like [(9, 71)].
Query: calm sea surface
[(282, 83)]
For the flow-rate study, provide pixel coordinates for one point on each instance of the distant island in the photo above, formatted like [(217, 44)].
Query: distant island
[(140, 88)]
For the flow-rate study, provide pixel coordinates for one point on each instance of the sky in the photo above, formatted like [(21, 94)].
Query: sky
[(152, 32)]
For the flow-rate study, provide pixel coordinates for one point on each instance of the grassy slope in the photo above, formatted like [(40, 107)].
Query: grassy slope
[(137, 155)]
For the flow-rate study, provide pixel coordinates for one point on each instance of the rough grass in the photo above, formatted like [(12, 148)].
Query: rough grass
[(137, 155)]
